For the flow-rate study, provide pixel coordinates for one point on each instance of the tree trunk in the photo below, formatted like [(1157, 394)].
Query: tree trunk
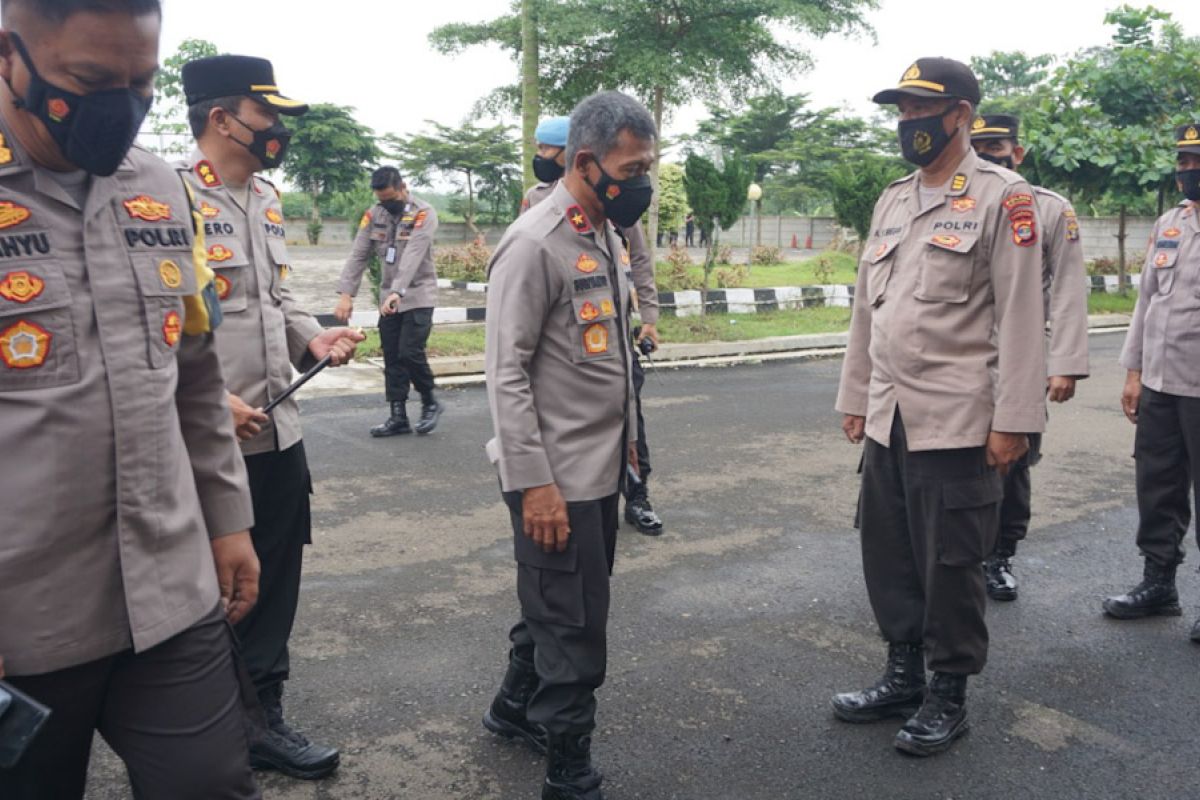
[(710, 259), (530, 95), (1122, 279), (652, 227), (314, 224), (471, 205)]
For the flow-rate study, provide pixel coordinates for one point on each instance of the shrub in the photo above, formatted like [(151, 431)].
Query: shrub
[(732, 277), (763, 255), (677, 276), (466, 263), (314, 232), (724, 254), (823, 269)]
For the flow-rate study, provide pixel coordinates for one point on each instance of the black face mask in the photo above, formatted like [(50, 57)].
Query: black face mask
[(393, 207), (268, 145), (93, 131), (1003, 161), (1189, 181), (922, 140), (625, 201), (547, 170)]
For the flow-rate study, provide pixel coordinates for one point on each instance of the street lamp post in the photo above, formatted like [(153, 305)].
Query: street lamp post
[(754, 194)]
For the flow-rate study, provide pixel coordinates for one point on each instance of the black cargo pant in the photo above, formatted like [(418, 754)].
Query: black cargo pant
[(633, 490), (176, 714), (1016, 509), (279, 487), (1167, 449), (564, 613), (927, 520), (403, 337)]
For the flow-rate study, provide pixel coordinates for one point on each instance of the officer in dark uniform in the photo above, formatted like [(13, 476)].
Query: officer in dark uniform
[(1162, 395)]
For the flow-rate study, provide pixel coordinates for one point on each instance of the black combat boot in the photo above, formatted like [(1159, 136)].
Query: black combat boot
[(640, 514), (897, 694), (941, 719), (431, 411), (396, 424), (570, 774), (1001, 585), (1195, 636), (285, 749), (1154, 596), (506, 717)]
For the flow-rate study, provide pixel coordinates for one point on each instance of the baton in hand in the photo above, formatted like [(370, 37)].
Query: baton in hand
[(303, 379)]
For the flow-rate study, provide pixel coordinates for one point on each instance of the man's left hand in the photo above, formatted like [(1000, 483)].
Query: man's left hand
[(1005, 449), (337, 342), (237, 573), (390, 305), (649, 331), (1061, 389)]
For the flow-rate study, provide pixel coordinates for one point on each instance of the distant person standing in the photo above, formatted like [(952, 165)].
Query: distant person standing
[(690, 230)]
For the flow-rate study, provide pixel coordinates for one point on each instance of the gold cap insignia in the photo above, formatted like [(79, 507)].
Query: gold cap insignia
[(1191, 134), (913, 73), (978, 123)]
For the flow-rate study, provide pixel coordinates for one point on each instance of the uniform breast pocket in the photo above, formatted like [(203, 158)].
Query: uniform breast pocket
[(231, 276), (37, 331), (1164, 262), (164, 280), (281, 265), (878, 260), (947, 269), (594, 326)]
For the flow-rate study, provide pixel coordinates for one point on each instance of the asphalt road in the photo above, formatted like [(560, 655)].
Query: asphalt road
[(728, 634)]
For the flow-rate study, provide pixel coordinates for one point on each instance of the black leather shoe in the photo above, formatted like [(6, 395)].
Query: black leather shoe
[(396, 424), (1001, 585), (506, 717), (286, 750), (570, 774), (1154, 596), (941, 719), (898, 693), (430, 413), (640, 514)]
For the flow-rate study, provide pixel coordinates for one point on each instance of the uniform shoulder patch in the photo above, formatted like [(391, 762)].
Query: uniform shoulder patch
[(366, 219)]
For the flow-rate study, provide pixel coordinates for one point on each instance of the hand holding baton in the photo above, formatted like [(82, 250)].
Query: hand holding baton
[(303, 379)]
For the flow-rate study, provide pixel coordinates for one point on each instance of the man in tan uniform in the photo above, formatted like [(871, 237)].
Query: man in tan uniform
[(1064, 293), (234, 107), (549, 165), (1162, 393), (122, 484), (561, 394), (945, 378), (399, 229)]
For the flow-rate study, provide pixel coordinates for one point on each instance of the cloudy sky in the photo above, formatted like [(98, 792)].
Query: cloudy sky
[(374, 54)]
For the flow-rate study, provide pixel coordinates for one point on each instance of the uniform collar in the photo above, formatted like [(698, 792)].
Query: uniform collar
[(960, 183), (576, 217)]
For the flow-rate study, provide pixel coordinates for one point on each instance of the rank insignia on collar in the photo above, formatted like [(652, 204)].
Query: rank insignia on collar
[(170, 273), (224, 287), (146, 208), (947, 240), (579, 220), (219, 253), (595, 339), (586, 264), (588, 311), (21, 286), (1172, 233), (958, 183), (963, 204), (172, 328), (274, 216), (24, 345), (209, 211), (207, 174)]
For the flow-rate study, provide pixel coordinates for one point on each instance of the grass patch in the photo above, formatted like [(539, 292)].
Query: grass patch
[(791, 273), (741, 327), (1105, 303), (446, 340)]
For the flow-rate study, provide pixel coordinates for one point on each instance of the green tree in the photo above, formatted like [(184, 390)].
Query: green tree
[(673, 205), (466, 154), (328, 154), (531, 104), (717, 197), (857, 185), (1005, 76), (167, 120)]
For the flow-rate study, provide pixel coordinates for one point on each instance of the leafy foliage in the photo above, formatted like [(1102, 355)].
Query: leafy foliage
[(856, 187), (167, 119), (672, 204), (717, 197)]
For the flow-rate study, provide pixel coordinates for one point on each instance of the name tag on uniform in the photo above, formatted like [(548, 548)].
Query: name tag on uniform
[(390, 258)]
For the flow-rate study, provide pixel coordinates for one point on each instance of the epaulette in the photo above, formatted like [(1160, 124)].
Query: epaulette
[(1007, 175)]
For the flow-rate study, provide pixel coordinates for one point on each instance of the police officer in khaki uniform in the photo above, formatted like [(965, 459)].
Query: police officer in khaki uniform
[(122, 484), (1162, 393), (1064, 292), (549, 165), (234, 109), (945, 378), (560, 387), (399, 229)]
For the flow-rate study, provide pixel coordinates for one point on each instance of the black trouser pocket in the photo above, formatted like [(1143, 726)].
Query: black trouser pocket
[(549, 585), (969, 520)]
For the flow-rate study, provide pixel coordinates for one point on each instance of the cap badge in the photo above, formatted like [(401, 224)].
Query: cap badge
[(912, 74)]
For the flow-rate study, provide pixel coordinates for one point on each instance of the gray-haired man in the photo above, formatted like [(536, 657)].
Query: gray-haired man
[(561, 394)]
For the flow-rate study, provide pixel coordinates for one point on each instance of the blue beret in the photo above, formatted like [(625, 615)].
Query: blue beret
[(553, 131)]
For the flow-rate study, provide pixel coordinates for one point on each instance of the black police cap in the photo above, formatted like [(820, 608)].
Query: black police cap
[(236, 76), (995, 126), (934, 77), (1187, 138)]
